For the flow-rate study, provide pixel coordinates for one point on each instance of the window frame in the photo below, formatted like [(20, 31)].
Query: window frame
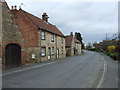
[(44, 51), (42, 35), (53, 37), (53, 51)]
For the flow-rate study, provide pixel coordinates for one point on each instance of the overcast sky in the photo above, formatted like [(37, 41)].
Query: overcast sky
[(92, 19)]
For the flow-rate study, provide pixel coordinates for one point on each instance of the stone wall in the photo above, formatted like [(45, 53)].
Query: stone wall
[(60, 45), (32, 55), (72, 47), (0, 35), (0, 23), (78, 48), (10, 31), (57, 44)]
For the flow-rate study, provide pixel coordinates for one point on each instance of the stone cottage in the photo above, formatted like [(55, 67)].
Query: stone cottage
[(78, 47), (29, 39), (73, 46)]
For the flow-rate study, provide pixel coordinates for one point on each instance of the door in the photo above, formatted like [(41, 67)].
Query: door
[(12, 56), (57, 53), (49, 53)]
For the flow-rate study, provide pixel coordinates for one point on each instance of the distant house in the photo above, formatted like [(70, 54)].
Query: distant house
[(73, 46), (78, 47), (31, 38)]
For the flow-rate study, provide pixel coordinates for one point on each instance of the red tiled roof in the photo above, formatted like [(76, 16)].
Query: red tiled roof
[(76, 41), (68, 40), (42, 24)]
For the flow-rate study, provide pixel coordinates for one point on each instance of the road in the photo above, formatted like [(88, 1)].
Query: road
[(85, 71)]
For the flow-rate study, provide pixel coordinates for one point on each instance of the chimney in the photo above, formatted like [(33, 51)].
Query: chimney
[(15, 7), (71, 34), (11, 7), (45, 17)]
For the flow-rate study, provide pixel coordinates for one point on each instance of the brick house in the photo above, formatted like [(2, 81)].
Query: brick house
[(43, 41), (29, 39), (73, 46)]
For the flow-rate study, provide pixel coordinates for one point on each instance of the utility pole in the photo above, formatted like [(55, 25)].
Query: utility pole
[(106, 37)]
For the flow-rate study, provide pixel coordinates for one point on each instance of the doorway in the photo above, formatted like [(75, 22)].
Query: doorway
[(49, 53), (12, 55), (57, 53)]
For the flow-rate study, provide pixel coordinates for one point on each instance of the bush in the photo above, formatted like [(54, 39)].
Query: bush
[(111, 54)]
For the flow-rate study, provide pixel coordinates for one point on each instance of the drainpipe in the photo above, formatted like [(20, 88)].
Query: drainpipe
[(56, 46), (39, 31)]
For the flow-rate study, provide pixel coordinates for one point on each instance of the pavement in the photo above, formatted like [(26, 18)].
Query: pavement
[(90, 70)]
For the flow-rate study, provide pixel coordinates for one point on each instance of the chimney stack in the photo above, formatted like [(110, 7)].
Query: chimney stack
[(14, 7), (45, 17), (71, 33), (11, 7)]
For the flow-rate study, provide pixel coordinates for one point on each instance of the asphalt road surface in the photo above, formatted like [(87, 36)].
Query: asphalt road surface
[(89, 70)]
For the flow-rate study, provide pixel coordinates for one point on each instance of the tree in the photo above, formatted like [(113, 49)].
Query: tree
[(79, 38)]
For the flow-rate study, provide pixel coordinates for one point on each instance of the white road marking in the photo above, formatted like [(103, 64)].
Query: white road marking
[(27, 68), (105, 70)]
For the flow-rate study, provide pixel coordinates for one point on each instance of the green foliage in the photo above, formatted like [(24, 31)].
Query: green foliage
[(79, 38), (111, 54)]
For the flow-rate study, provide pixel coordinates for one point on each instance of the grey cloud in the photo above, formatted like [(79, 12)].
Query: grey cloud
[(91, 19)]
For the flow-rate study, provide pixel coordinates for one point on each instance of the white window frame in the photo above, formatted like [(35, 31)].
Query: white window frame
[(43, 51), (43, 35), (53, 37)]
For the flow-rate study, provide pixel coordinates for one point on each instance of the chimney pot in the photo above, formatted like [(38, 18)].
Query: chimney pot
[(15, 7), (12, 7), (45, 17), (71, 33)]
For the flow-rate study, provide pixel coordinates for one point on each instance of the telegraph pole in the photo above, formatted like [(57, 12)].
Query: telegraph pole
[(106, 37)]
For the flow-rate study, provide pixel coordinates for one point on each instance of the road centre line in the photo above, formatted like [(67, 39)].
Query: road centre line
[(102, 78)]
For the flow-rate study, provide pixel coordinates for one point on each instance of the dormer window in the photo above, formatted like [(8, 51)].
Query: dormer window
[(53, 36), (43, 35)]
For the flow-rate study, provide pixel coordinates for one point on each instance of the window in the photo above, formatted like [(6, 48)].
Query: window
[(43, 51), (43, 35), (62, 50), (62, 39), (53, 37), (52, 50)]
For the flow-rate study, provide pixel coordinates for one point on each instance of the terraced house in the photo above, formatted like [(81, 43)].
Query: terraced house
[(31, 39), (73, 46)]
